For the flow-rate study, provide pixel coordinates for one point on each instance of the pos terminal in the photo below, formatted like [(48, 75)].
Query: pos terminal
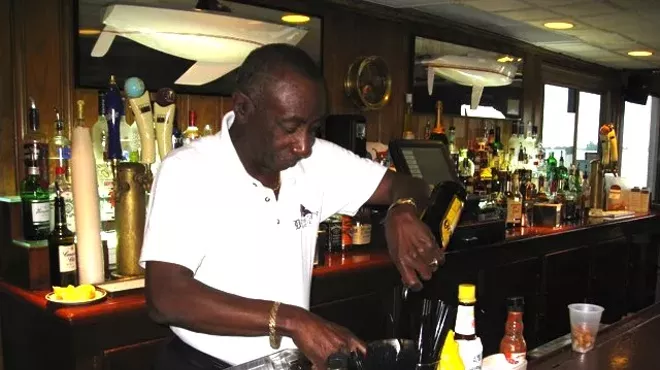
[(451, 210)]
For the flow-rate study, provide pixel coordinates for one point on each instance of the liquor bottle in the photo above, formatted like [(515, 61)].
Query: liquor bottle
[(513, 203), (444, 210), (562, 170), (35, 144), (453, 150), (192, 132), (35, 201), (513, 344), (408, 134), (438, 132), (177, 136), (470, 347), (59, 146), (207, 131), (62, 248), (63, 184), (362, 227)]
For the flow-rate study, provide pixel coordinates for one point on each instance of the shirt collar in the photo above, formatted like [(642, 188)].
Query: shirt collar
[(230, 157)]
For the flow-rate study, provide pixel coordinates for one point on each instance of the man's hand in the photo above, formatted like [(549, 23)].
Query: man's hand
[(318, 339), (412, 246)]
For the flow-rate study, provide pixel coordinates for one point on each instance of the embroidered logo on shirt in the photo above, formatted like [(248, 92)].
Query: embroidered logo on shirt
[(306, 218)]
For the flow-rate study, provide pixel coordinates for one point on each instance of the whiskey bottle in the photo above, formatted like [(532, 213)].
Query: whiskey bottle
[(62, 248), (35, 201)]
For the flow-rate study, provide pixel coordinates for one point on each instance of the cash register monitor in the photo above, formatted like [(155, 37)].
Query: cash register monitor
[(424, 159)]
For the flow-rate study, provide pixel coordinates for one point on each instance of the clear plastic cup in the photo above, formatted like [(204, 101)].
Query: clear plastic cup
[(585, 320)]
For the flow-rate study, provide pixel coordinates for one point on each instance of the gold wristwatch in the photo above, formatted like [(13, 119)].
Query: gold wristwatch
[(275, 339)]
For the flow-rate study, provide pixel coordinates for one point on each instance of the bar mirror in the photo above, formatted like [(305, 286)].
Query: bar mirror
[(171, 43), (470, 82)]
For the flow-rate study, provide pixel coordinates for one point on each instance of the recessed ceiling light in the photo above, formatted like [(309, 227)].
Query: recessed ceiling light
[(640, 53), (559, 25), (88, 32), (295, 18)]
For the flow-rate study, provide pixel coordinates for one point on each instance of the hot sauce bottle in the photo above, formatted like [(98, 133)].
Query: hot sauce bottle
[(513, 344)]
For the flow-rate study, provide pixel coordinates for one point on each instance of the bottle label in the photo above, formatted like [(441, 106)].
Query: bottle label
[(40, 212), (516, 357), (471, 353), (67, 258), (450, 220), (63, 153), (361, 234), (513, 211), (465, 320), (68, 209)]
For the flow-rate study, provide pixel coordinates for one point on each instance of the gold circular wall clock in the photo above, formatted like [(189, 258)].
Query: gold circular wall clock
[(369, 83)]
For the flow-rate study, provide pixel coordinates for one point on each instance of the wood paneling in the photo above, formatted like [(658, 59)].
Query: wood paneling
[(7, 132), (348, 36)]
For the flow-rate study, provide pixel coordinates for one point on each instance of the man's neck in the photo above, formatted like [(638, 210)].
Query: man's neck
[(251, 164)]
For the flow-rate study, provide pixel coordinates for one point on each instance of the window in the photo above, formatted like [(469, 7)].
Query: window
[(564, 132), (635, 153)]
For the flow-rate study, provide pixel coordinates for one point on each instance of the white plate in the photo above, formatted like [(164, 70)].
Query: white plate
[(99, 296)]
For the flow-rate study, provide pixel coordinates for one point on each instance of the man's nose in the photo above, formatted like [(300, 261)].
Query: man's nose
[(303, 146)]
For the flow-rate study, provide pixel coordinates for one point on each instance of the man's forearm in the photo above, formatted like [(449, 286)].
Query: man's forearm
[(395, 186), (195, 306)]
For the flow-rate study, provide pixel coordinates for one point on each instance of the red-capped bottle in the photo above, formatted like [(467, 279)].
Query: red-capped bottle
[(513, 344)]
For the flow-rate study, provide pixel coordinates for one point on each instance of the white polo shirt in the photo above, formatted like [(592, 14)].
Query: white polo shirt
[(208, 214)]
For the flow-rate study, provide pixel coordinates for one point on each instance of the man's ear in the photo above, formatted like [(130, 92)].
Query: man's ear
[(243, 106)]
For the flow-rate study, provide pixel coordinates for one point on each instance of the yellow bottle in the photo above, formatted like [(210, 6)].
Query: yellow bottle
[(449, 356)]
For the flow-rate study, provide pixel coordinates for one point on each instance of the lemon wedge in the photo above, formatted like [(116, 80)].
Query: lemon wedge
[(70, 293)]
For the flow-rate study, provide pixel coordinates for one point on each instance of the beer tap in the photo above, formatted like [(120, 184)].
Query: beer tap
[(140, 103), (114, 109)]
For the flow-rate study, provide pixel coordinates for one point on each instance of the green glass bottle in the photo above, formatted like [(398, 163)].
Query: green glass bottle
[(35, 200)]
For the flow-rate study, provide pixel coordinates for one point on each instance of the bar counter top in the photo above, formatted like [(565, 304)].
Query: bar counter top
[(335, 264), (628, 344)]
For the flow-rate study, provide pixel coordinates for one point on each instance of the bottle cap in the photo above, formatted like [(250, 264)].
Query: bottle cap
[(515, 304), (59, 170), (467, 293)]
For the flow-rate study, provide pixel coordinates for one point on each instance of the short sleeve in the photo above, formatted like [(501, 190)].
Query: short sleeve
[(347, 180), (167, 234)]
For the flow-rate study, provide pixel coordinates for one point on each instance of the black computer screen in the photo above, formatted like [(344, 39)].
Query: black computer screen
[(428, 160)]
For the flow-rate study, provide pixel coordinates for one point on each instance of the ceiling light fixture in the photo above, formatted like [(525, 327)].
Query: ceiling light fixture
[(640, 53), (217, 43), (295, 18), (559, 25), (505, 59)]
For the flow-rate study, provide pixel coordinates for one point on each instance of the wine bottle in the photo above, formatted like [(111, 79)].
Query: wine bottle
[(62, 248)]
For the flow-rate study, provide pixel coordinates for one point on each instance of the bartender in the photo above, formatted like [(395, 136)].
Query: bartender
[(232, 223)]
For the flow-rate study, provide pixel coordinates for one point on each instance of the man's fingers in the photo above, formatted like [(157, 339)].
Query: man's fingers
[(409, 277)]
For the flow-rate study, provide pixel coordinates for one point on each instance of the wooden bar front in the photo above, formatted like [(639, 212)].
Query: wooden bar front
[(613, 264)]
